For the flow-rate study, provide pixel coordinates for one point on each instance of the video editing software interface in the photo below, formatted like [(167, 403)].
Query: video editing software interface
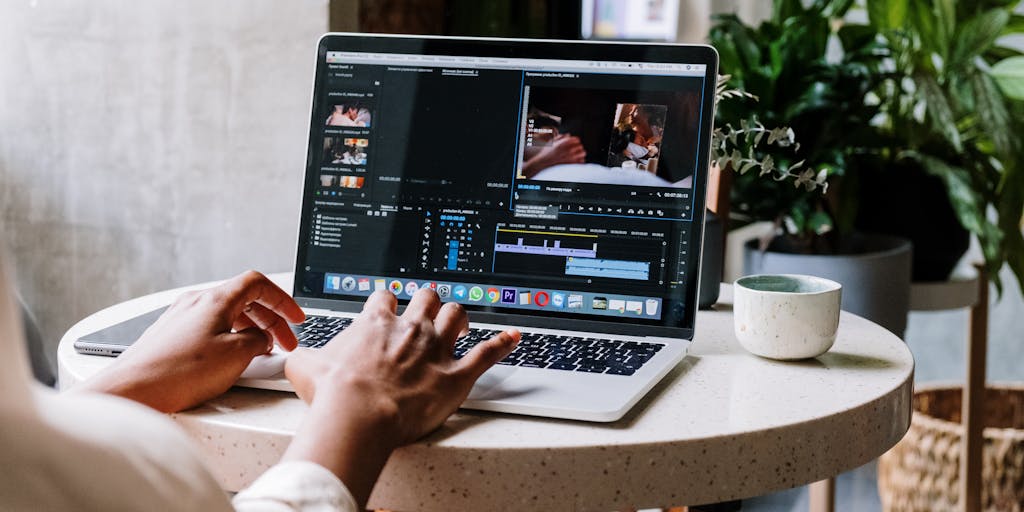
[(562, 187)]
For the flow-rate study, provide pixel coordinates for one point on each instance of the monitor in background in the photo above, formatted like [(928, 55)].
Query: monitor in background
[(638, 20)]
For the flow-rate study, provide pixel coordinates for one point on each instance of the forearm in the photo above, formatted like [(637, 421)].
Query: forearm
[(349, 436), (137, 384)]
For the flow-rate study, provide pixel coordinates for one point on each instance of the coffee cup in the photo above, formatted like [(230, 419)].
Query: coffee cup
[(786, 316)]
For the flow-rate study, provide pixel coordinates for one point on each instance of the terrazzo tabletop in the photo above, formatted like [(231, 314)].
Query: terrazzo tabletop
[(723, 425)]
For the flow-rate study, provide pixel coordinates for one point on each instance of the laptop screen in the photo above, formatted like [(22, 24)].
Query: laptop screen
[(511, 183)]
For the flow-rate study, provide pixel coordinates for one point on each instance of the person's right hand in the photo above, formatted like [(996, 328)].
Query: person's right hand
[(385, 381), (401, 365)]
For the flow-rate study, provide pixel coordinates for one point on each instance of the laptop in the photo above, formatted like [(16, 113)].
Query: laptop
[(554, 186)]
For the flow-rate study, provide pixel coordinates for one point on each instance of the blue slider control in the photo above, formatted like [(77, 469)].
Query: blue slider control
[(453, 254)]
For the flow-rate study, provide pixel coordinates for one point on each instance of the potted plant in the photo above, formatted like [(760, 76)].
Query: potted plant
[(786, 63), (950, 118), (950, 111)]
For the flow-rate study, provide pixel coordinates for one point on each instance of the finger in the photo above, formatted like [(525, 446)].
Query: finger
[(251, 286), (271, 323), (242, 323), (300, 369), (424, 304), (252, 342), (486, 354), (381, 300), (451, 322)]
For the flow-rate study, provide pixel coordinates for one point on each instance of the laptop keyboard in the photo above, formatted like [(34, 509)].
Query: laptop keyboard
[(591, 355), (535, 350), (316, 331)]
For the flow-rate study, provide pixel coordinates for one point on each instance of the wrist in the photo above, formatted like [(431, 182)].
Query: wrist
[(351, 430), (114, 380), (360, 406), (136, 384)]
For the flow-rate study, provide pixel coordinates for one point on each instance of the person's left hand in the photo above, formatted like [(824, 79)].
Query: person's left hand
[(198, 348)]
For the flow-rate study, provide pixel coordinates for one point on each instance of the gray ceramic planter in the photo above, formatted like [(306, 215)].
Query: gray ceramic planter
[(711, 262), (876, 280)]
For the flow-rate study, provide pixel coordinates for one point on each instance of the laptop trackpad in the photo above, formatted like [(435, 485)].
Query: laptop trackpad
[(490, 381)]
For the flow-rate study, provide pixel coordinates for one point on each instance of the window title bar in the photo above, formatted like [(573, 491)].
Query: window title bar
[(592, 66)]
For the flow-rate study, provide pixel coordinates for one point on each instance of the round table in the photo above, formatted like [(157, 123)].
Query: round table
[(723, 425)]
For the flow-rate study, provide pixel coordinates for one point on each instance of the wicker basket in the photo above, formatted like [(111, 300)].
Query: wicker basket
[(921, 473)]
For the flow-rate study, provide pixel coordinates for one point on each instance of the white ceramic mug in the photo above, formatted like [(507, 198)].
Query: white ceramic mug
[(786, 316)]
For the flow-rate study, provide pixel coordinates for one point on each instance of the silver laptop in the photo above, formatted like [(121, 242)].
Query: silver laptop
[(554, 186)]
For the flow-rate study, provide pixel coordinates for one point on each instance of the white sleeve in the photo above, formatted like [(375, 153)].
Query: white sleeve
[(296, 486)]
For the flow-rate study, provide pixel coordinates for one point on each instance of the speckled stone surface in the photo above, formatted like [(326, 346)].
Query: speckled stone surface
[(723, 425)]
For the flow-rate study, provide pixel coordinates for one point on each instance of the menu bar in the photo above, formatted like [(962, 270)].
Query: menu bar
[(590, 66), (529, 298)]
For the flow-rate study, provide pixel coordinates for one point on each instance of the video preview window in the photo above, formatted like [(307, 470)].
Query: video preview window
[(355, 114), (340, 150), (342, 181), (636, 136), (609, 136)]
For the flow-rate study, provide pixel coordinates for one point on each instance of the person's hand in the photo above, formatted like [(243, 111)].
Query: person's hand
[(401, 367), (198, 348), (565, 149), (385, 381)]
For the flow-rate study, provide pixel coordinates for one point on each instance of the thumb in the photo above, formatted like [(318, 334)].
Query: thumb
[(252, 341), (486, 354)]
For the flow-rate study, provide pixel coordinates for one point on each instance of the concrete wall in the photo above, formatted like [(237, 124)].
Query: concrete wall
[(145, 145)]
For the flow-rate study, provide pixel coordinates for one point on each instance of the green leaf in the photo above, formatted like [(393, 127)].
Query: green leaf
[(977, 35), (945, 15), (1011, 211), (785, 9), (994, 114), (1009, 74), (998, 53), (723, 38), (820, 223), (746, 43), (887, 14), (1015, 26), (854, 37), (938, 110), (968, 204), (923, 17), (834, 8)]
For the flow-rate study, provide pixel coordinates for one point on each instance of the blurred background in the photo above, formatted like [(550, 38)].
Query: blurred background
[(151, 145)]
